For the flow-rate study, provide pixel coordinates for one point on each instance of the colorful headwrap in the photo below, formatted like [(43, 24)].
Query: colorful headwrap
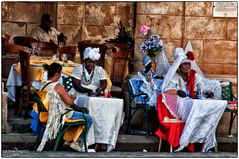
[(92, 53)]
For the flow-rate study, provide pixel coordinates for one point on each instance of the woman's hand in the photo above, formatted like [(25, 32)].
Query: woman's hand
[(181, 93), (99, 91), (90, 92), (73, 97)]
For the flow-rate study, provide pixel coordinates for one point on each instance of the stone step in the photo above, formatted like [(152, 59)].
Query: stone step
[(130, 143), (114, 154)]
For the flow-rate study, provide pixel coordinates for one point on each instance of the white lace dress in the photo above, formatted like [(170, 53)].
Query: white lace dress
[(92, 80)]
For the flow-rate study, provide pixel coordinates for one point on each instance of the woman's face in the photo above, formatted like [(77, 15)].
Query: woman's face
[(185, 67), (58, 76), (89, 64)]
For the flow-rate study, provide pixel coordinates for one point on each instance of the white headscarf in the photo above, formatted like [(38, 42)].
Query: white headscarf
[(162, 62), (179, 56), (92, 53)]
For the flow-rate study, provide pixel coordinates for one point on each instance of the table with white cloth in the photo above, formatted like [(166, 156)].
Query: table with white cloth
[(108, 116), (201, 117), (38, 75)]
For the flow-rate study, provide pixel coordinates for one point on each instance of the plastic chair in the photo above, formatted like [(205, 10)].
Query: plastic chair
[(46, 48), (82, 45), (26, 88), (227, 94), (43, 116), (24, 41), (170, 129), (69, 50), (136, 107)]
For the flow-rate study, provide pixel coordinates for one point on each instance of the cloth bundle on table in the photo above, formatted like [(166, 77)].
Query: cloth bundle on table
[(202, 118)]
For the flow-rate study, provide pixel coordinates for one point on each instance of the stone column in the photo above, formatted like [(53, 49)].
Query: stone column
[(5, 126)]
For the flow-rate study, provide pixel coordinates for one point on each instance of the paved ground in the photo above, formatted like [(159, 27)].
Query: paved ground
[(61, 154)]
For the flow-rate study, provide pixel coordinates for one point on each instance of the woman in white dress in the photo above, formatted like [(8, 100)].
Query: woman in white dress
[(183, 79), (88, 77), (91, 80)]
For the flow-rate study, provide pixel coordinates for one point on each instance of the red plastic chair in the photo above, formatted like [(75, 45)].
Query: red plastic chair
[(169, 130)]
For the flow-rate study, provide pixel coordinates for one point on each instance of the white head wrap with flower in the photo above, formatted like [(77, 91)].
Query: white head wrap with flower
[(194, 65), (92, 53)]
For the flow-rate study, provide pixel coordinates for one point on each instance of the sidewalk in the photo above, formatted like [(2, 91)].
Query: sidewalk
[(21, 143), (63, 154)]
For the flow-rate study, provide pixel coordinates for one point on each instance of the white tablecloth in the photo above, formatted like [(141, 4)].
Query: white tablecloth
[(202, 117), (108, 116)]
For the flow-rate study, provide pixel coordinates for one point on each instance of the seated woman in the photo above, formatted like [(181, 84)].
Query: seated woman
[(91, 79), (184, 79), (60, 103), (88, 77), (180, 84)]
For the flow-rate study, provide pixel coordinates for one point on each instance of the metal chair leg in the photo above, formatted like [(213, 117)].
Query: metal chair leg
[(230, 126), (146, 122), (129, 119), (171, 149), (215, 149), (160, 143)]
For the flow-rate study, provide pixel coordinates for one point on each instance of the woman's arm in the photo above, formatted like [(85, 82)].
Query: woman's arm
[(103, 84), (77, 86), (68, 100)]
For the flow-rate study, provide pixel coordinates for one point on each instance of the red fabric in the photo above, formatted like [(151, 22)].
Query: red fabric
[(190, 82), (232, 105), (190, 55), (170, 132)]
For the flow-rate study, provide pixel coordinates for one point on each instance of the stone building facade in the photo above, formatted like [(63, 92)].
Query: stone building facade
[(214, 39)]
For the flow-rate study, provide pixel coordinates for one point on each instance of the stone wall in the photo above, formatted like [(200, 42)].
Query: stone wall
[(96, 21), (214, 40)]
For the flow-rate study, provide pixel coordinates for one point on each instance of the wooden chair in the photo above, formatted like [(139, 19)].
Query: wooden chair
[(69, 50), (169, 129), (119, 70), (9, 57), (26, 88), (24, 41), (84, 44), (43, 116), (5, 38), (11, 48), (46, 48)]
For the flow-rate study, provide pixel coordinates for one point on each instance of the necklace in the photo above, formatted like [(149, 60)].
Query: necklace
[(84, 78)]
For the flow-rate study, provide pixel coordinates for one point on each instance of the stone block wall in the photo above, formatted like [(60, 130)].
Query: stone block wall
[(79, 21), (214, 39)]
